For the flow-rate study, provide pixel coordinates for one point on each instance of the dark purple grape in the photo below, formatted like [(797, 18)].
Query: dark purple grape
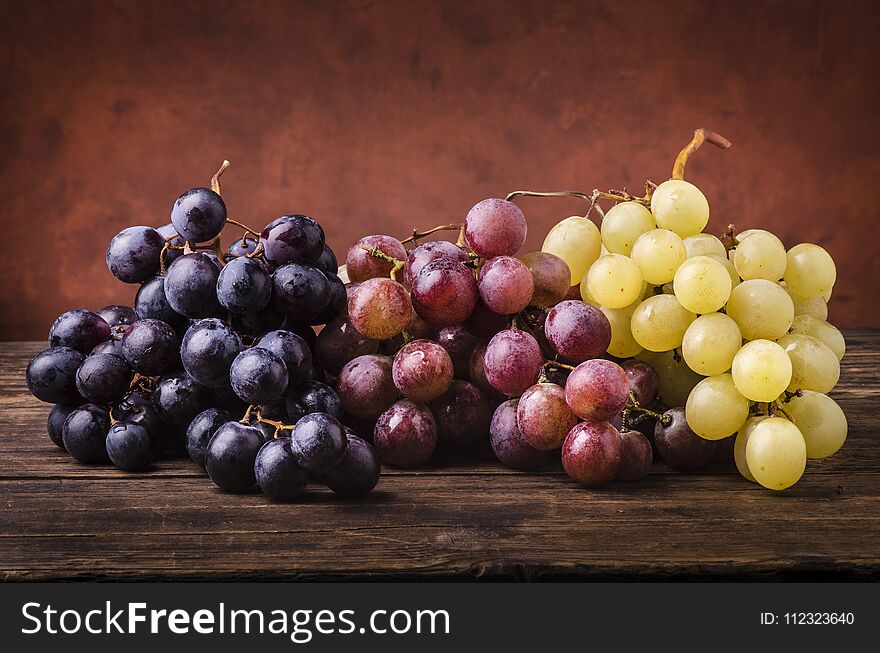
[(507, 440), (462, 414), (339, 342), (495, 227), (422, 370), (318, 442), (137, 408), (577, 331), (169, 235), (51, 375), (244, 286), (303, 330), (178, 399), (133, 254), (278, 474), (110, 347), (505, 285), (327, 262), (591, 453), (207, 351), (459, 343), (151, 347), (679, 446), (291, 349), (643, 381), (551, 277), (242, 247), (55, 424), (129, 446), (513, 361), (199, 215), (484, 322), (118, 315), (150, 303), (258, 324), (405, 435), (597, 390), (103, 378), (636, 457), (314, 397), (445, 292), (338, 303), (258, 376), (543, 416), (358, 471), (231, 456), (80, 330), (366, 385), (292, 239), (427, 252), (360, 265), (191, 286), (300, 292), (85, 434)]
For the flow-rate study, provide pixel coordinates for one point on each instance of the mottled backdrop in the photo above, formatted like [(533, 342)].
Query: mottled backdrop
[(376, 116)]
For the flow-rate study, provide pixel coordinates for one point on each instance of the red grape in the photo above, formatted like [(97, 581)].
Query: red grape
[(462, 414), (339, 342), (406, 434), (495, 227), (577, 331), (380, 308), (591, 453), (422, 370), (636, 456), (477, 373), (513, 361), (361, 265), (424, 254), (505, 285), (444, 292), (365, 385), (551, 277), (543, 416), (507, 440), (679, 446), (597, 390), (643, 381), (484, 322)]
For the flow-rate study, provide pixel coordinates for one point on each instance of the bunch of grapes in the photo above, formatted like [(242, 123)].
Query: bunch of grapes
[(215, 359)]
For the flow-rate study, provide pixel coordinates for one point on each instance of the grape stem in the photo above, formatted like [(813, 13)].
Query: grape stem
[(557, 365), (728, 238), (215, 180), (700, 136), (247, 230), (162, 265), (258, 251), (378, 253), (279, 426), (416, 234), (633, 406)]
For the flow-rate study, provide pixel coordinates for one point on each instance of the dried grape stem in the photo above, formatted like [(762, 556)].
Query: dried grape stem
[(247, 229), (215, 180), (279, 426), (416, 234), (558, 365), (700, 136), (378, 253)]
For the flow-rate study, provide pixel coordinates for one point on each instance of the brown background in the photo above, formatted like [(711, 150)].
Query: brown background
[(376, 116)]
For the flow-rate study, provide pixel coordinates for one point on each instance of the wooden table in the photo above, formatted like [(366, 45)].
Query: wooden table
[(63, 520)]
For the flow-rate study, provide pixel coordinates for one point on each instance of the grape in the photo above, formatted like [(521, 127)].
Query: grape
[(702, 285), (178, 399), (207, 351), (242, 247), (820, 420), (462, 414), (55, 423), (704, 245), (366, 386), (291, 349), (636, 456), (715, 408), (484, 322), (814, 307), (761, 256), (710, 343), (680, 206), (199, 215), (776, 453), (731, 270), (137, 408), (258, 324), (658, 254), (80, 330), (258, 376), (51, 375), (133, 254), (327, 262), (361, 265), (339, 342), (577, 331), (477, 374), (679, 446), (358, 471), (380, 308), (739, 446), (761, 308), (292, 239), (109, 347), (810, 270), (129, 447), (103, 378), (543, 417), (244, 286), (459, 344), (338, 301), (151, 303), (444, 293), (85, 433), (314, 397), (117, 316), (422, 370), (577, 241), (200, 431), (513, 361), (591, 453), (642, 380), (191, 286), (814, 366), (660, 322), (614, 281), (622, 226), (300, 292), (761, 370), (507, 440), (151, 347), (551, 278), (405, 435), (495, 227), (278, 474), (427, 252), (231, 456), (318, 442), (622, 344), (169, 235), (827, 333), (676, 378), (597, 390), (505, 285)]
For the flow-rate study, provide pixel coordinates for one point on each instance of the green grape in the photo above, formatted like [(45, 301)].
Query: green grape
[(715, 409), (827, 333), (739, 446), (623, 224), (623, 345), (659, 323), (776, 453), (811, 271), (761, 370), (761, 256), (658, 253), (761, 308), (815, 306), (680, 206), (814, 366), (585, 294), (820, 420), (576, 240), (827, 294), (731, 270), (710, 343), (614, 281), (677, 380), (742, 235), (702, 285), (646, 355), (704, 245)]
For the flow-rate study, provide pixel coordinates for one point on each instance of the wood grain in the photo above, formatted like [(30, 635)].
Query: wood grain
[(60, 520)]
